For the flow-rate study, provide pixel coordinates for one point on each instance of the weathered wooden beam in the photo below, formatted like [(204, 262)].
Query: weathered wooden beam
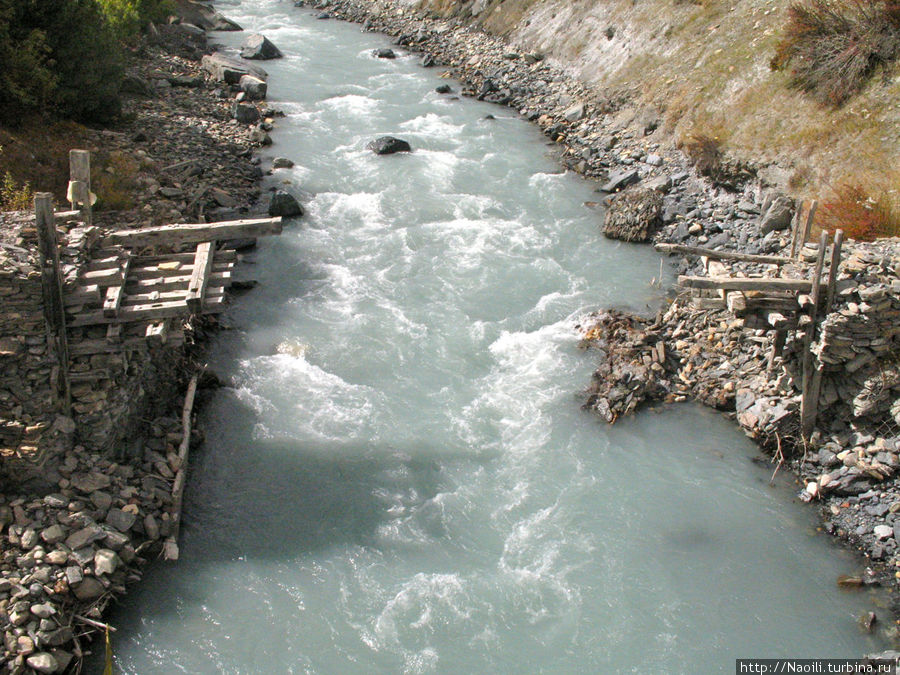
[(156, 295), (136, 343), (200, 275), (722, 255), (114, 333), (66, 215), (180, 282), (157, 333), (777, 348), (80, 183), (833, 269), (802, 224), (83, 295), (51, 291), (167, 235), (153, 271), (745, 283), (113, 300), (103, 278), (148, 312)]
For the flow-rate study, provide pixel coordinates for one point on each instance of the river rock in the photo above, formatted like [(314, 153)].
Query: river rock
[(203, 15), (777, 216), (224, 69), (284, 204), (282, 163), (90, 588), (245, 113), (84, 536), (444, 89), (254, 88), (633, 215), (43, 663), (259, 47), (574, 113), (388, 145), (384, 53), (105, 562), (123, 521), (619, 180), (53, 534)]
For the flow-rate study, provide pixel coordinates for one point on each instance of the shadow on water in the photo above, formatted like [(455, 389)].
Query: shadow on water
[(276, 499)]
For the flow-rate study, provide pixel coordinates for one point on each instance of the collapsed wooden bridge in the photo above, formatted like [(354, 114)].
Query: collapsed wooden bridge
[(773, 302), (127, 286)]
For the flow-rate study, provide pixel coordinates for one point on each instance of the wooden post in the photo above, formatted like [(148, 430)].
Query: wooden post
[(833, 270), (51, 285), (808, 404), (80, 183), (777, 347), (802, 227)]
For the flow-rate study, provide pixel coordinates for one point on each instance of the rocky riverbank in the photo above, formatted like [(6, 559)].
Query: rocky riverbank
[(82, 528), (694, 196)]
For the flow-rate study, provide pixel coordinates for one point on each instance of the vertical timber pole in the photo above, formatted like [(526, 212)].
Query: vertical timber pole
[(80, 183), (809, 404), (51, 285)]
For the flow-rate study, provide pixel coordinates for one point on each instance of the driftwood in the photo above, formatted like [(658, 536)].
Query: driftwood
[(170, 549)]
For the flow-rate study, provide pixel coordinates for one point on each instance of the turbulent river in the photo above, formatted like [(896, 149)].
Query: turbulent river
[(398, 476)]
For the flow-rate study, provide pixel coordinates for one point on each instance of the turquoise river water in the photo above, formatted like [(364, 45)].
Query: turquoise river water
[(398, 477)]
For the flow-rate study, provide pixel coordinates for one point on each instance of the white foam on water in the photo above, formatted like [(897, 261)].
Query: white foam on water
[(355, 105), (361, 208), (302, 401), (440, 165), (432, 125)]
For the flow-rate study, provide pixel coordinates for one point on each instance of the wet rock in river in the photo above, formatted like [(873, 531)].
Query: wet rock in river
[(388, 145), (254, 88), (259, 47), (284, 204), (246, 114), (384, 53)]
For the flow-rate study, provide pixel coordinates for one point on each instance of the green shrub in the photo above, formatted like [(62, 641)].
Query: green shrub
[(60, 56), (127, 17), (14, 197), (834, 46)]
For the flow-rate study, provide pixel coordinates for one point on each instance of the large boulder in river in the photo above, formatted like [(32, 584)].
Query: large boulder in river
[(633, 215), (259, 47), (388, 145), (245, 113), (384, 54), (203, 15), (228, 70), (284, 204), (254, 88)]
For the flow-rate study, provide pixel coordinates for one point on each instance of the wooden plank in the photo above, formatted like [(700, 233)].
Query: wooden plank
[(808, 405), (66, 215), (153, 271), (200, 276), (106, 262), (777, 349), (52, 295), (148, 312), (221, 256), (745, 284), (180, 282), (102, 278), (139, 343), (193, 232), (113, 300), (83, 295), (722, 255), (156, 295)]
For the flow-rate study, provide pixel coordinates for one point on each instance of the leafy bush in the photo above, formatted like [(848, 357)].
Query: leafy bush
[(60, 56), (127, 17), (861, 216), (834, 46), (14, 197)]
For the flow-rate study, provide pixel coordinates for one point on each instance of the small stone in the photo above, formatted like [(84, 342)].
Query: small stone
[(102, 500), (24, 645), (883, 531), (74, 575), (574, 113), (90, 588), (29, 539), (282, 163), (57, 557), (84, 536), (123, 521), (43, 663), (43, 611), (105, 562)]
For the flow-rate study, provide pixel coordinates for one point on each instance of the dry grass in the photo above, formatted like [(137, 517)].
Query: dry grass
[(861, 216), (834, 46), (114, 181)]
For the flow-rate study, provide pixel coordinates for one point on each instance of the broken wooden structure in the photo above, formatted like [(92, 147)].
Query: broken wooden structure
[(775, 303), (130, 285)]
